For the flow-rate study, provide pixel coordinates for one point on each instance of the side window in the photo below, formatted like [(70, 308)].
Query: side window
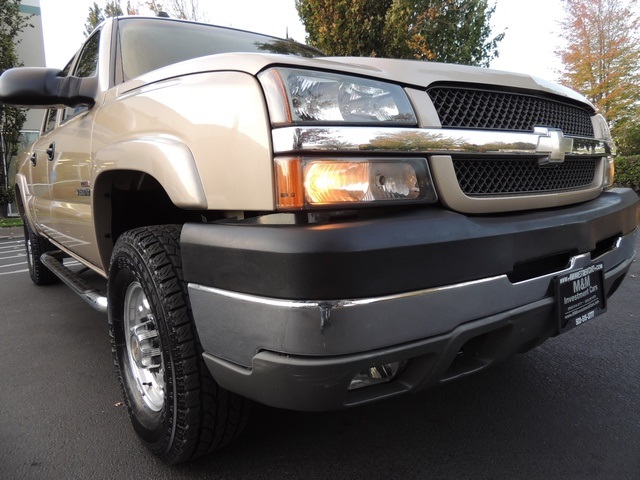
[(88, 63), (87, 66), (50, 120)]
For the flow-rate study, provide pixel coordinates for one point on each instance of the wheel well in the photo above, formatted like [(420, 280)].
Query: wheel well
[(125, 200)]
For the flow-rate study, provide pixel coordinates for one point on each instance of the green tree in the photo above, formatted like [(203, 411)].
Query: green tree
[(112, 8), (345, 27), (183, 9), (12, 23), (452, 31), (97, 15), (602, 56), (456, 31)]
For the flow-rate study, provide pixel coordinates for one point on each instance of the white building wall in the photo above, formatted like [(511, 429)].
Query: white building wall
[(30, 51)]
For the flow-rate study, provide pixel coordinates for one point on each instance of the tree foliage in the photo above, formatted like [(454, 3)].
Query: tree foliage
[(456, 31), (345, 27), (12, 23), (112, 8), (183, 9), (602, 56)]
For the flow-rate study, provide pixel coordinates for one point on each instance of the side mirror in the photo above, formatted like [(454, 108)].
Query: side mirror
[(37, 87)]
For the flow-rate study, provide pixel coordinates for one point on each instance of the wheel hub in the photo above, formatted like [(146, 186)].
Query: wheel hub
[(143, 340), (143, 348)]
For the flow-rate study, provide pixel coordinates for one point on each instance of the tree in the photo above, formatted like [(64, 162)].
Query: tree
[(452, 31), (456, 31), (602, 56), (183, 9), (97, 15), (12, 23), (186, 10), (345, 27)]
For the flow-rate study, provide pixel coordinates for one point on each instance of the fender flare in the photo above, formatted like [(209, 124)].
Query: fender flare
[(23, 202), (166, 159)]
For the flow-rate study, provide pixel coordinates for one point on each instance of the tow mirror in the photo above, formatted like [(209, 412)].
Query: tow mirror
[(38, 87)]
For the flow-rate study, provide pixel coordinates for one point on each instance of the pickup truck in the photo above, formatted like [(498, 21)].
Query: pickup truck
[(307, 232)]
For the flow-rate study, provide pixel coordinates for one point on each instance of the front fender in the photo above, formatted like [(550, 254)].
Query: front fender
[(25, 206), (166, 159)]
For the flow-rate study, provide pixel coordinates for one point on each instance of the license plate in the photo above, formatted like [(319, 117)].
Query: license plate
[(580, 296)]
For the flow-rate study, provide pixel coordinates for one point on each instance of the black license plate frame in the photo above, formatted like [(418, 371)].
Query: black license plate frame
[(580, 296)]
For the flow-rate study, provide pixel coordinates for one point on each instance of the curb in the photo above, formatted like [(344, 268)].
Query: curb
[(10, 232)]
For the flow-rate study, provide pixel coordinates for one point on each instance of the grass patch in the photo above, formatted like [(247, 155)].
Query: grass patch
[(11, 222)]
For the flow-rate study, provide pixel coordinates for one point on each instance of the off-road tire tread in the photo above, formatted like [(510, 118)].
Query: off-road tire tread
[(39, 273), (207, 416)]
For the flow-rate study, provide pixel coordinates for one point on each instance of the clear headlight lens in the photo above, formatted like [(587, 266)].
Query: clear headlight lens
[(601, 131), (601, 127), (299, 96), (303, 183)]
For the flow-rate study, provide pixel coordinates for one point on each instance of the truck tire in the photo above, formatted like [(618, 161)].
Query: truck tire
[(175, 405), (35, 245)]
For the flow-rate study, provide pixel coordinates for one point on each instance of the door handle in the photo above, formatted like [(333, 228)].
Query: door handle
[(34, 159), (51, 151)]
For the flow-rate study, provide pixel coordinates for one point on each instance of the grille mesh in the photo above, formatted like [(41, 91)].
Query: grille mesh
[(479, 177), (469, 108)]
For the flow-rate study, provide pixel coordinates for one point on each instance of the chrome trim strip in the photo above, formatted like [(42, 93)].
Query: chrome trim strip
[(235, 326), (290, 140), (331, 304)]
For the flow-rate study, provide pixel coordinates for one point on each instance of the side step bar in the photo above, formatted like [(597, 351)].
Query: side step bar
[(92, 296)]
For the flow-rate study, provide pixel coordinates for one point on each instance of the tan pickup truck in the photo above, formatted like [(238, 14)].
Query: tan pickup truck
[(308, 232)]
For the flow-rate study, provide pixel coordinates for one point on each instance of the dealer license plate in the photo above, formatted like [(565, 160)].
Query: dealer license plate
[(580, 296)]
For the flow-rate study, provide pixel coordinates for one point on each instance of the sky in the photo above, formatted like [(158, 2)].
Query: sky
[(530, 26)]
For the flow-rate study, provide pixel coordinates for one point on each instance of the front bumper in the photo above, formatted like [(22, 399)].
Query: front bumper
[(267, 336)]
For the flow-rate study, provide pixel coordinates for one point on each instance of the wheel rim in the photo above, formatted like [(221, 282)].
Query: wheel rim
[(143, 349), (27, 243)]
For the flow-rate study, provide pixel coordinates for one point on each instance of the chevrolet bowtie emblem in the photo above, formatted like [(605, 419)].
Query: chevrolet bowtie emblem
[(552, 142)]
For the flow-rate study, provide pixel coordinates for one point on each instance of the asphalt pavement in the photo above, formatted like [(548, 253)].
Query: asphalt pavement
[(569, 409)]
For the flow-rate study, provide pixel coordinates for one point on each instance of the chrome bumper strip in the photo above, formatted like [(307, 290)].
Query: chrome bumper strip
[(243, 324)]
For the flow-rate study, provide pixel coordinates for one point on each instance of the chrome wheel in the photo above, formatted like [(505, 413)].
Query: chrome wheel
[(175, 406), (143, 348)]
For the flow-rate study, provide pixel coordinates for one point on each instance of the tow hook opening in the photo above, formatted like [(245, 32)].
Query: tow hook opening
[(476, 354), (377, 374)]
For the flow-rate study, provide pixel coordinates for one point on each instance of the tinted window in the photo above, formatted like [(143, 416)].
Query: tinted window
[(147, 44), (88, 62), (50, 121)]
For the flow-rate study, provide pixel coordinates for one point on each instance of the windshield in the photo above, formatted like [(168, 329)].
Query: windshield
[(147, 44)]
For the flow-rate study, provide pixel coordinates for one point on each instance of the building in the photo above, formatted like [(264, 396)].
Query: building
[(31, 52)]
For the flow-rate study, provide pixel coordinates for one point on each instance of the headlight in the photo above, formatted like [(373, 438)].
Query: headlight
[(601, 128), (313, 182), (297, 96), (601, 131)]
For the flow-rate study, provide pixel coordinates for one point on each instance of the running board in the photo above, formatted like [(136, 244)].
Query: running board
[(92, 296)]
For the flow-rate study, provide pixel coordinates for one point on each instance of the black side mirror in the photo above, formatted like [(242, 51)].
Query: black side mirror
[(37, 87)]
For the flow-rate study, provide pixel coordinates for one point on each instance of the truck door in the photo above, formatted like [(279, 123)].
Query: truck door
[(38, 180), (71, 168)]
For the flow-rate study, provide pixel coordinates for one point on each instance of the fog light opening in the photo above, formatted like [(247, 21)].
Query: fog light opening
[(376, 375)]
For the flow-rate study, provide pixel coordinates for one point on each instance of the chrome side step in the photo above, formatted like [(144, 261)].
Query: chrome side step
[(89, 294)]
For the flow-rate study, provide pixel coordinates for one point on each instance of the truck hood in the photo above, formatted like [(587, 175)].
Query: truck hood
[(411, 73)]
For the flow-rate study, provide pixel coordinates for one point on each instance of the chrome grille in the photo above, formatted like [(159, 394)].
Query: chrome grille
[(471, 108), (478, 177)]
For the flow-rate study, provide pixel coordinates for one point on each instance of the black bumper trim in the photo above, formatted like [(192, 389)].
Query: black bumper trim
[(408, 251)]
